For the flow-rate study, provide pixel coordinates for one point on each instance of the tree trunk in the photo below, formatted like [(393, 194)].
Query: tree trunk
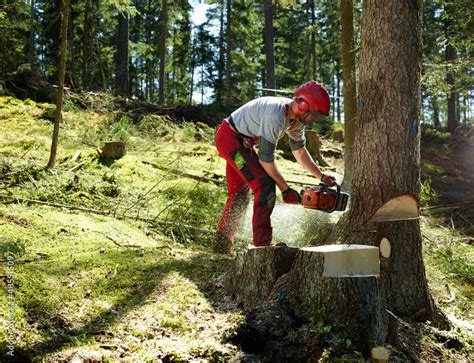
[(71, 66), (338, 94), (221, 62), (149, 57), (59, 95), (313, 41), (122, 72), (387, 150), (450, 55), (193, 66), (86, 46), (31, 44), (269, 53), (435, 108), (228, 89), (163, 36), (349, 89)]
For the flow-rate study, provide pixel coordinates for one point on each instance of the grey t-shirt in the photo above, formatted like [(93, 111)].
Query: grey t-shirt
[(265, 117)]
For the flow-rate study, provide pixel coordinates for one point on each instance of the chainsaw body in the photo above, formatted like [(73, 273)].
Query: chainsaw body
[(325, 199)]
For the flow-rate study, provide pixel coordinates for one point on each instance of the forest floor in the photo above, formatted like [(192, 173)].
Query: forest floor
[(112, 260)]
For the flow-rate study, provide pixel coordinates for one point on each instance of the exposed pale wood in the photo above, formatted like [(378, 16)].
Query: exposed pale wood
[(380, 354), (385, 248), (400, 208), (76, 156), (348, 260), (78, 166)]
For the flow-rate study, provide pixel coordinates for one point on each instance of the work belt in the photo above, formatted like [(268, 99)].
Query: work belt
[(247, 141), (231, 122)]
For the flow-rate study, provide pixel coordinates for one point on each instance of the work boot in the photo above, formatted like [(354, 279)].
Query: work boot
[(222, 244)]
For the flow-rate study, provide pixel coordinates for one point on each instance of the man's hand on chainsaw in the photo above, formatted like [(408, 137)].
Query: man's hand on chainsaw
[(328, 180), (291, 196)]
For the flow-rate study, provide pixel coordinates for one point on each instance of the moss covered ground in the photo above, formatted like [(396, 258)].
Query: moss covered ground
[(112, 260)]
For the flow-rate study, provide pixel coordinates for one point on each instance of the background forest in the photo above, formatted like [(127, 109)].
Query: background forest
[(151, 50)]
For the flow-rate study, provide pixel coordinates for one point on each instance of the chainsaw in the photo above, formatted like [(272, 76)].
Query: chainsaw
[(323, 198)]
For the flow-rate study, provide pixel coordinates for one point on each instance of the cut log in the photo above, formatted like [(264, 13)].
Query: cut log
[(401, 208), (348, 260)]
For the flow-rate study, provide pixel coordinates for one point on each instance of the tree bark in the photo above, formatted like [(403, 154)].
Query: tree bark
[(270, 82), (313, 41), (59, 95), (387, 150), (122, 72), (221, 62), (31, 44), (86, 40), (228, 90), (349, 89), (163, 36), (450, 55), (435, 108)]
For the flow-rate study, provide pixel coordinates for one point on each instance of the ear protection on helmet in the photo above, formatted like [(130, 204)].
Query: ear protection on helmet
[(302, 105)]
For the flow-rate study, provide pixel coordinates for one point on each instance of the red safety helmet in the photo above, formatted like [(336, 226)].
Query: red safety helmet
[(313, 96)]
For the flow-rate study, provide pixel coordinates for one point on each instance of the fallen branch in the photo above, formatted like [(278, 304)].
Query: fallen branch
[(114, 241), (78, 166), (187, 175), (455, 205)]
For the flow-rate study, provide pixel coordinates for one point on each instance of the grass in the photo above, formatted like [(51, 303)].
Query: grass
[(115, 286)]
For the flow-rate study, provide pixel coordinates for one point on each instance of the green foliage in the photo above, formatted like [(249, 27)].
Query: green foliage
[(427, 195)]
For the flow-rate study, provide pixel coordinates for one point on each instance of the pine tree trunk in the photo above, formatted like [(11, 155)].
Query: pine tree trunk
[(451, 96), (149, 58), (71, 66), (387, 149), (228, 89), (221, 62), (338, 95), (86, 40), (31, 44), (122, 72), (163, 36), (435, 108), (59, 95), (349, 89), (269, 53), (313, 42)]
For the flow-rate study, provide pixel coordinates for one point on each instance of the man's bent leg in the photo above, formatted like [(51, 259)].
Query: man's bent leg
[(264, 203)]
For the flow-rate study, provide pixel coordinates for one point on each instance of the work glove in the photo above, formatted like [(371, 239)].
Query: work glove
[(291, 196), (328, 180)]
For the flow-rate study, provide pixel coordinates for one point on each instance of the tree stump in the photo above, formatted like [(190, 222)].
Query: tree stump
[(112, 150), (336, 285)]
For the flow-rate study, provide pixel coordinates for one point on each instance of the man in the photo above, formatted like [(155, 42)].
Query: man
[(265, 120)]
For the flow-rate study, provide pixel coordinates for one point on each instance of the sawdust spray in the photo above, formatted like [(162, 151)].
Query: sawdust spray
[(292, 224)]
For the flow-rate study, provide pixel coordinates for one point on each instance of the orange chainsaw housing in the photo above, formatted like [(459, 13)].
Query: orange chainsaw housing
[(319, 197), (324, 198)]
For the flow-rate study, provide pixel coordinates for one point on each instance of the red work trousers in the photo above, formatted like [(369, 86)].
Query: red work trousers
[(244, 172)]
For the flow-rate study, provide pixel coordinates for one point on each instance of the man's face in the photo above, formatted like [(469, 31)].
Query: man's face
[(311, 117)]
